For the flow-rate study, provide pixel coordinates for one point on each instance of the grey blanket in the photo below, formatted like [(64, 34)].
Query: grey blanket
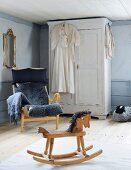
[(15, 102)]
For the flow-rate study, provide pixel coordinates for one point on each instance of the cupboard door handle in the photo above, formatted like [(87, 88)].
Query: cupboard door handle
[(77, 66)]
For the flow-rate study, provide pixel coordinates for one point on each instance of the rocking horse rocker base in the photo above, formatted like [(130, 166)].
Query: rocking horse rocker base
[(75, 129), (55, 158)]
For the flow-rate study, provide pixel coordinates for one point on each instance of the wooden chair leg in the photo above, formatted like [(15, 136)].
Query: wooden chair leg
[(57, 121), (47, 146), (82, 145), (51, 147), (22, 121), (46, 121), (78, 144)]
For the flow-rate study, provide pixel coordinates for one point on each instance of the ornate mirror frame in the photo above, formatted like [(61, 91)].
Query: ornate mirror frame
[(7, 48)]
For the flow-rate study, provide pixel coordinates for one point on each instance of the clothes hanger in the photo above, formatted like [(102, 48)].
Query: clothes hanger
[(63, 24)]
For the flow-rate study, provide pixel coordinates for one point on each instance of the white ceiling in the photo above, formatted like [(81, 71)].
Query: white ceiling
[(39, 11)]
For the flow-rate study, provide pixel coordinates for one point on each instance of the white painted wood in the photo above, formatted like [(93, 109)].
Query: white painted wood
[(42, 10), (107, 90), (89, 74), (92, 70), (115, 9), (127, 5)]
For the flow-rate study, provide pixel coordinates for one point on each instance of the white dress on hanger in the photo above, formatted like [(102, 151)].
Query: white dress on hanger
[(64, 39), (109, 41)]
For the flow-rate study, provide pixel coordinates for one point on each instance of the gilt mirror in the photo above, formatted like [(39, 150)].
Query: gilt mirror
[(9, 47)]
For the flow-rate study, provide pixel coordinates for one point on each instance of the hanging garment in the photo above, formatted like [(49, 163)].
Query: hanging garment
[(64, 39), (109, 41)]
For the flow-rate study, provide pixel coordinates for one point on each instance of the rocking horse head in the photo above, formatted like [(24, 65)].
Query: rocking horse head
[(79, 119)]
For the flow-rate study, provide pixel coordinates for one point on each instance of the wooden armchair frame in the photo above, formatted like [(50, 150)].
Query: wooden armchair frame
[(25, 113)]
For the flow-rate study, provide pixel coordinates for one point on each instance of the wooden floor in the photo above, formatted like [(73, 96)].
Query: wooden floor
[(12, 140)]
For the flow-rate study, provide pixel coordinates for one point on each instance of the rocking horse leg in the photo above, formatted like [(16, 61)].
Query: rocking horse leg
[(51, 147), (78, 144), (82, 145), (47, 146)]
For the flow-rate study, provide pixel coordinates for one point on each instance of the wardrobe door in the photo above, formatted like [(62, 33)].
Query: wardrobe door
[(88, 70)]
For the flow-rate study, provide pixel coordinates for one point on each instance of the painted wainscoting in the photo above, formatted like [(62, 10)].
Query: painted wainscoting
[(5, 91), (121, 93)]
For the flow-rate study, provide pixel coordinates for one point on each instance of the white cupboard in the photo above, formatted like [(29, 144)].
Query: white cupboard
[(92, 69)]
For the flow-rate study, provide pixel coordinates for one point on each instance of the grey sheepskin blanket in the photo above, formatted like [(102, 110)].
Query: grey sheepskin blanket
[(15, 102)]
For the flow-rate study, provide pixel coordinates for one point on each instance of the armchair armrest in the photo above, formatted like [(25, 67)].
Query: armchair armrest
[(24, 111), (55, 98)]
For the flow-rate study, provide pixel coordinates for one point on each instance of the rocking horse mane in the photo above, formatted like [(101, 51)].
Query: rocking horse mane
[(74, 118)]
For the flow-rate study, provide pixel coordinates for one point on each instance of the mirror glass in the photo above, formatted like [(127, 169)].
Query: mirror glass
[(9, 49)]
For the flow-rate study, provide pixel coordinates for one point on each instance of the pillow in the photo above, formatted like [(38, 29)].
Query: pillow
[(29, 75), (122, 114), (36, 93)]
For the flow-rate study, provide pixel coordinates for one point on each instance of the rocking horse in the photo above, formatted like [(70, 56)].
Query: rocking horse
[(75, 129)]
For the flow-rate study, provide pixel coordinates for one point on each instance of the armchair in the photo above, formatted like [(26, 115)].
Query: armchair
[(33, 84)]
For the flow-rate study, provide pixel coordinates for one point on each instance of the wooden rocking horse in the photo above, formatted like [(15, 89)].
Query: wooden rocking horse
[(75, 129)]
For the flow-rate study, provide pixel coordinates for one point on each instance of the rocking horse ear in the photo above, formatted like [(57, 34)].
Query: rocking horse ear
[(38, 130), (79, 123), (86, 120)]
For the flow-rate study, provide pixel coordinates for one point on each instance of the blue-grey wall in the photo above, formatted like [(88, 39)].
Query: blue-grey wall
[(27, 54), (44, 47), (121, 64)]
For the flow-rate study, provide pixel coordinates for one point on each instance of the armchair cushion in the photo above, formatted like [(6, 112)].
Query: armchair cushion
[(32, 83), (25, 75), (38, 97), (35, 92), (44, 110)]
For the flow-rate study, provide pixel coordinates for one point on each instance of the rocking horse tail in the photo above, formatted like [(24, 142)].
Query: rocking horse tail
[(42, 130)]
